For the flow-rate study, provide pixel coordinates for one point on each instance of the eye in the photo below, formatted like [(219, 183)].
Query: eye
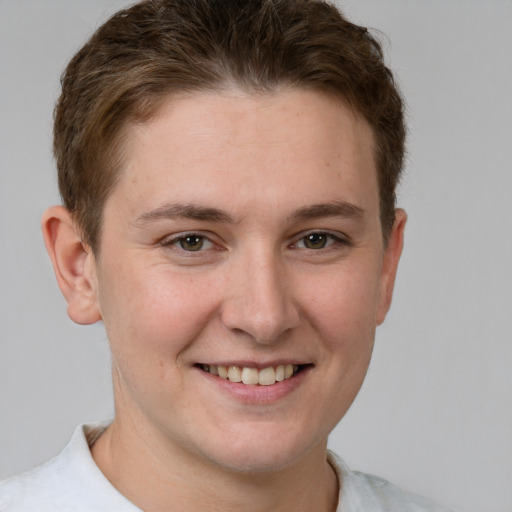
[(190, 242), (317, 241)]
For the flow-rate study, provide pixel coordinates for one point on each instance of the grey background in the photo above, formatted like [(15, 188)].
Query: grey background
[(435, 414)]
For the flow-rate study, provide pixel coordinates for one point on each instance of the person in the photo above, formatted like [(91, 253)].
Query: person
[(228, 172)]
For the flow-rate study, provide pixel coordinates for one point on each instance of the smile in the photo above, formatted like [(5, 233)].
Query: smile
[(253, 376)]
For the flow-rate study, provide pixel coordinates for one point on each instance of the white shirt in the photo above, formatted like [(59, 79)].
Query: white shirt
[(71, 482)]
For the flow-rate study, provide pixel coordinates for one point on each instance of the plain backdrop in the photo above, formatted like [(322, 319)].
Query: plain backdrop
[(435, 414)]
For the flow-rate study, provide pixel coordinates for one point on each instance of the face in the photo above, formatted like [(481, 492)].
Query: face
[(243, 238)]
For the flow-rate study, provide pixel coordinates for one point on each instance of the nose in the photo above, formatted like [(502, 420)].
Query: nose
[(259, 302)]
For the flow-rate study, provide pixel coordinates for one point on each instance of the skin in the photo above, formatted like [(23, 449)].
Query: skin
[(251, 176)]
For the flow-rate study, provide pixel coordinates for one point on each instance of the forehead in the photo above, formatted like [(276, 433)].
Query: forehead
[(257, 148)]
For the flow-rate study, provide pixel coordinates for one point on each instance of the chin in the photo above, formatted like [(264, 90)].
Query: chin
[(255, 462), (261, 454)]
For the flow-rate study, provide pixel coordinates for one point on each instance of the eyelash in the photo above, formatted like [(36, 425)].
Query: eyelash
[(331, 240), (177, 240)]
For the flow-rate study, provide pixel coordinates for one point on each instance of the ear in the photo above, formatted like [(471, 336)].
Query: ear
[(390, 260), (74, 265)]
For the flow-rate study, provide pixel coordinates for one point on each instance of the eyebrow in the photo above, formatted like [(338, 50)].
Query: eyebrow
[(331, 209), (204, 213), (187, 211)]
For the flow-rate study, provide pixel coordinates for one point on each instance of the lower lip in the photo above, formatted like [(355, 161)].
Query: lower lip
[(257, 394)]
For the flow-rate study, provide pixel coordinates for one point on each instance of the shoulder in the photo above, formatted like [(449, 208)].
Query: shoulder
[(369, 493), (31, 490), (70, 482)]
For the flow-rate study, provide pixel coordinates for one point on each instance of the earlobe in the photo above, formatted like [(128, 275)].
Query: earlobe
[(390, 261), (73, 263)]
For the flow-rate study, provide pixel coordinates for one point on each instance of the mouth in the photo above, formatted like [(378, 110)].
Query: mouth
[(252, 376)]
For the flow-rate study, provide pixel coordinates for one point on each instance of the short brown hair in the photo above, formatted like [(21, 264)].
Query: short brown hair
[(143, 54)]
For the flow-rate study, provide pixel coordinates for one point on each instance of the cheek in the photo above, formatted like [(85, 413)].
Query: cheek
[(154, 311), (151, 318), (344, 304), (343, 315)]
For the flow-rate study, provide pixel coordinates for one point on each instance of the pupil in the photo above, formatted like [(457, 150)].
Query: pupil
[(191, 243), (315, 241)]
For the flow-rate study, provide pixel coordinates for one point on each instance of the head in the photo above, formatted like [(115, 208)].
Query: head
[(158, 49), (228, 169)]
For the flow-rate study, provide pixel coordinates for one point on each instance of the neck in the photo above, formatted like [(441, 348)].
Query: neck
[(156, 476)]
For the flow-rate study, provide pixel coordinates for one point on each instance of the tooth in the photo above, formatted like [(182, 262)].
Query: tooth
[(250, 376), (234, 374), (267, 377)]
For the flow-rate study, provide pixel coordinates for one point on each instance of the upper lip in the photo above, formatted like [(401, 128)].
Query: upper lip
[(259, 365)]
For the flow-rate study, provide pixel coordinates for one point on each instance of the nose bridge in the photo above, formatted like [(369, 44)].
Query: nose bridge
[(260, 302)]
